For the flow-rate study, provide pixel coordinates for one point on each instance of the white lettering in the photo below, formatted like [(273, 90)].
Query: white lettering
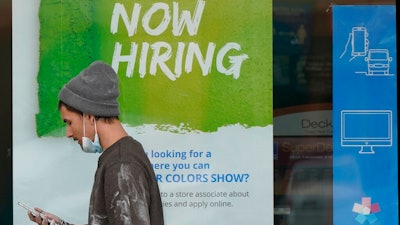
[(130, 59), (236, 61), (161, 53), (205, 64), (160, 59), (131, 25), (179, 21), (192, 25), (164, 22)]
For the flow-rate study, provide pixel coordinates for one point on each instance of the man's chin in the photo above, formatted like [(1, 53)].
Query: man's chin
[(79, 143)]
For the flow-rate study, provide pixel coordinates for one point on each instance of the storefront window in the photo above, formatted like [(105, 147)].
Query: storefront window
[(303, 127)]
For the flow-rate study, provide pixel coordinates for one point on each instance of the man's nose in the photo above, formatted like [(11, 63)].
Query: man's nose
[(68, 132)]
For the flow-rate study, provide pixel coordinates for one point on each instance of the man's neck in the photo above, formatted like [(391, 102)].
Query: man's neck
[(110, 132)]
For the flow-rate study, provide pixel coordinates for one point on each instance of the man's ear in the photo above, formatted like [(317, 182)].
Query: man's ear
[(89, 118)]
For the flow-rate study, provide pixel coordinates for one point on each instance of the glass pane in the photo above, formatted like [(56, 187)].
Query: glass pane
[(302, 73)]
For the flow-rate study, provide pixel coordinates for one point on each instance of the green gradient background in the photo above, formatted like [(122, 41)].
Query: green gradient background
[(74, 33)]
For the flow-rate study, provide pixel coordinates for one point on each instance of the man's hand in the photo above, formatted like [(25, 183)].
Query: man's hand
[(47, 219)]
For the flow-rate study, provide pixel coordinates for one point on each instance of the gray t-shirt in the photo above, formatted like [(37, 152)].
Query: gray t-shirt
[(125, 190)]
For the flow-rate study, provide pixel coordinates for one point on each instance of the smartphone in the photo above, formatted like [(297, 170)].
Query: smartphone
[(32, 211), (359, 41)]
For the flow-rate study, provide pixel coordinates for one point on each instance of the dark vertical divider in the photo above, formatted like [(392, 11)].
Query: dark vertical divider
[(6, 194)]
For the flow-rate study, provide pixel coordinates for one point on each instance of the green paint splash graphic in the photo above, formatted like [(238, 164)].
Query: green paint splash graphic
[(75, 33)]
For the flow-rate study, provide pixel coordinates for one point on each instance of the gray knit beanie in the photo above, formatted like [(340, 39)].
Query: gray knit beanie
[(93, 91)]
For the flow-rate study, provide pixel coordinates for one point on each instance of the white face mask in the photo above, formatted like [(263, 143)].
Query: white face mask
[(87, 145)]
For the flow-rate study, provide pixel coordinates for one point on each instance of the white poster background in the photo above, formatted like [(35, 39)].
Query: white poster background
[(54, 174)]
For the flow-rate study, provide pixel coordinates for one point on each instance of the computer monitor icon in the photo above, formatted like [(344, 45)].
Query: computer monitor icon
[(366, 129)]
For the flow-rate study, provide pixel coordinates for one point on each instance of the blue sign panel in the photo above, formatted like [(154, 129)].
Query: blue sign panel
[(365, 173)]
